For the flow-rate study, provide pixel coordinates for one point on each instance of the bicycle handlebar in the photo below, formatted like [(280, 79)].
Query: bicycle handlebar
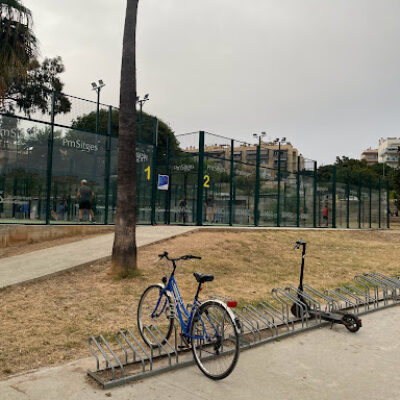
[(186, 257)]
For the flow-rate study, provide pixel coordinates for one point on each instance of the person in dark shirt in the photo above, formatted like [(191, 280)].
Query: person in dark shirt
[(182, 210), (85, 196)]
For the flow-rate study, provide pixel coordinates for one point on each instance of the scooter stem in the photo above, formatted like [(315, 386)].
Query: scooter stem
[(303, 256)]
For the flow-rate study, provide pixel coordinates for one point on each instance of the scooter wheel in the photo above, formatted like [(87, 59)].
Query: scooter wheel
[(296, 310), (351, 322)]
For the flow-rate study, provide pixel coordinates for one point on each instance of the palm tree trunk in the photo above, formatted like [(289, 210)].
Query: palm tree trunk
[(124, 254)]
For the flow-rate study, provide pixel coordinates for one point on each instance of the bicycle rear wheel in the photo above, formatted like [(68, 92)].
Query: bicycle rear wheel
[(153, 317), (215, 340)]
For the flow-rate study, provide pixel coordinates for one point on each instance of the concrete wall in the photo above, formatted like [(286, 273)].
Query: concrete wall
[(25, 234)]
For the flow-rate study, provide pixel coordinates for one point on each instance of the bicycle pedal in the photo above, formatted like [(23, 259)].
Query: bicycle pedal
[(183, 347)]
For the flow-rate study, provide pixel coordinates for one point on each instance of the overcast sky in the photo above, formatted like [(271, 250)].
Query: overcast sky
[(323, 73)]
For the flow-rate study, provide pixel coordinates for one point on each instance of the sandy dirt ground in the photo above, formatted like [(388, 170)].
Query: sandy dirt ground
[(55, 317)]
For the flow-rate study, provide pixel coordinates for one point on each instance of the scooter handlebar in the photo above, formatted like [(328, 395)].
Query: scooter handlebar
[(299, 243)]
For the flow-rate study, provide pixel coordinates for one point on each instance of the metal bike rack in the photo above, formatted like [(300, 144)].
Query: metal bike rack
[(132, 360), (124, 358), (330, 303)]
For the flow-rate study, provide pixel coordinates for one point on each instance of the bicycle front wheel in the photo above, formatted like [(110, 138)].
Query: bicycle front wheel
[(154, 318), (215, 340)]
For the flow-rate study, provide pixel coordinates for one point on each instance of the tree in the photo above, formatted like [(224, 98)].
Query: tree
[(345, 165), (18, 43), (25, 83), (87, 122), (164, 134), (124, 255), (395, 186), (32, 93)]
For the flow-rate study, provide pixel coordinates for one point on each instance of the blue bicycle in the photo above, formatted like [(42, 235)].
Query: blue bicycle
[(210, 327)]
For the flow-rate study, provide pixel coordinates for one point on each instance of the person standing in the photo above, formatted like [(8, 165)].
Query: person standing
[(62, 209), (85, 196), (210, 209), (325, 215), (182, 210)]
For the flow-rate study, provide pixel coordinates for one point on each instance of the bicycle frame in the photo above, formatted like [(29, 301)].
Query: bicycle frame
[(182, 311)]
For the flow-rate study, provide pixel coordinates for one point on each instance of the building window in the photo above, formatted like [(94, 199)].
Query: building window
[(237, 156), (264, 156), (251, 156)]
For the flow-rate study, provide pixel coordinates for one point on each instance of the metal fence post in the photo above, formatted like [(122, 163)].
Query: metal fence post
[(348, 200), (379, 202), (370, 202), (359, 199), (50, 148), (231, 184), (257, 188), (278, 205), (3, 190), (168, 194), (154, 175), (315, 189), (298, 193), (388, 204), (15, 193), (333, 197), (200, 180), (107, 165)]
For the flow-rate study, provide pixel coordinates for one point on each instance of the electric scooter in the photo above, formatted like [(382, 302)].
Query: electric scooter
[(350, 321)]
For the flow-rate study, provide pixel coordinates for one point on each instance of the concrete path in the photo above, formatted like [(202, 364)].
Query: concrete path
[(324, 364), (53, 260)]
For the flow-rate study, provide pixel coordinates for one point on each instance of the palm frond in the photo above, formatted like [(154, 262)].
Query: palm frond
[(18, 44)]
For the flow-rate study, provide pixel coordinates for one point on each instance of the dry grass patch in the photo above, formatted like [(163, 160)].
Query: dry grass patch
[(49, 322)]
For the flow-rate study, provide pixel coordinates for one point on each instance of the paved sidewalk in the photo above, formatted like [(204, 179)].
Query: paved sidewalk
[(323, 364), (53, 260)]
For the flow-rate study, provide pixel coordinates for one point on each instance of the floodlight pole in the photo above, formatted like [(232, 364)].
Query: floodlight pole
[(257, 188), (278, 205), (97, 87), (141, 102), (98, 109), (278, 219), (141, 110)]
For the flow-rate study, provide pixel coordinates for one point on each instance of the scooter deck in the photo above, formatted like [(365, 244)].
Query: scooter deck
[(328, 316)]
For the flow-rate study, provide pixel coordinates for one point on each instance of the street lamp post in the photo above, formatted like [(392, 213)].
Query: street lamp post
[(97, 87)]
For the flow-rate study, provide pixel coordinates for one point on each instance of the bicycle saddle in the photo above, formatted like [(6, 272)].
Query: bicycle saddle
[(201, 278)]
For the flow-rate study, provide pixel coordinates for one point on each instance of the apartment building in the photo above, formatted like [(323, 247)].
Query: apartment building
[(248, 154), (370, 156), (388, 151)]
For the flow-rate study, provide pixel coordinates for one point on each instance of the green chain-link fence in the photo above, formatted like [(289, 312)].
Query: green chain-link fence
[(212, 179)]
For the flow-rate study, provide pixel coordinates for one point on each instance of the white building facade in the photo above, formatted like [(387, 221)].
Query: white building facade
[(388, 151)]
